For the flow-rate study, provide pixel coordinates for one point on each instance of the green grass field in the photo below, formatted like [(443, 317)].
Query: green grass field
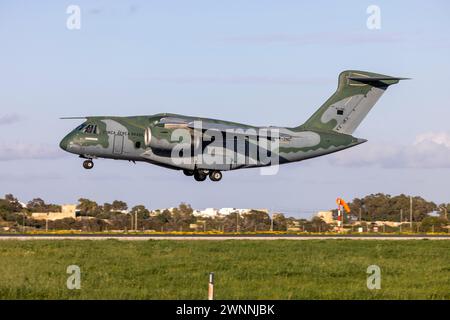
[(277, 269)]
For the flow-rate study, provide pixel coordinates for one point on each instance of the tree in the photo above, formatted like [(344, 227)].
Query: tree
[(232, 222), (279, 222), (385, 207), (185, 209), (164, 217), (88, 207), (436, 223), (13, 203), (181, 217), (118, 205), (39, 205), (141, 211), (107, 207), (36, 205), (319, 225), (256, 220)]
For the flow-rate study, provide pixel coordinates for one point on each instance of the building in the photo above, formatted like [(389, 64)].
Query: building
[(213, 212), (326, 216), (227, 211), (68, 211), (387, 223), (154, 213)]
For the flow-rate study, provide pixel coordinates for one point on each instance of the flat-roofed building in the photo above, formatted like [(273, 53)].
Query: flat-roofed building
[(326, 216), (67, 211)]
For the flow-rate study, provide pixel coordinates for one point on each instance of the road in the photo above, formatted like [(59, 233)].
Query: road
[(218, 237)]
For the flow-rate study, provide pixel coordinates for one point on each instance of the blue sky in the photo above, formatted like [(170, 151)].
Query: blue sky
[(257, 62)]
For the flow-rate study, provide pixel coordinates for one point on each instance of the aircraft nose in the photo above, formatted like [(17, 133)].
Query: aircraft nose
[(64, 143)]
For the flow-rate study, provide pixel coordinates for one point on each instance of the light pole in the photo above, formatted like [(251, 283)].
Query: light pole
[(401, 219), (410, 213), (136, 222)]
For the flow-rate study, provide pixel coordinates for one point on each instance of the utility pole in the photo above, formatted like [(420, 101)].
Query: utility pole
[(401, 219), (136, 222), (46, 225), (237, 221), (359, 215), (271, 222), (410, 213), (131, 216)]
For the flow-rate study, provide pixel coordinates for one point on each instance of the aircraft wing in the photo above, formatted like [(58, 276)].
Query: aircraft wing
[(207, 124), (231, 130)]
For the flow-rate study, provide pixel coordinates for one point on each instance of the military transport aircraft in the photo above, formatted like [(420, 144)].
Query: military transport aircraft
[(203, 147)]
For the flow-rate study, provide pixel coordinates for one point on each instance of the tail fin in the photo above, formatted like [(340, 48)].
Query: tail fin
[(357, 93)]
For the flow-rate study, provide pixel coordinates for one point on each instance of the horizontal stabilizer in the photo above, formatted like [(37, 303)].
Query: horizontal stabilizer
[(375, 79)]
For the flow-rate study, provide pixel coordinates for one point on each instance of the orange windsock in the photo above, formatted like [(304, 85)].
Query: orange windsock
[(341, 202)]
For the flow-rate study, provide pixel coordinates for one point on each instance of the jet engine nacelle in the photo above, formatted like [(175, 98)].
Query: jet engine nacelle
[(167, 139)]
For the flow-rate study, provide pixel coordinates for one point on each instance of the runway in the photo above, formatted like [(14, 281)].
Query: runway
[(144, 237)]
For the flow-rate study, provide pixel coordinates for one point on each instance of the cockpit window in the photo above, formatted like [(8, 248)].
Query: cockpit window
[(80, 127), (88, 128)]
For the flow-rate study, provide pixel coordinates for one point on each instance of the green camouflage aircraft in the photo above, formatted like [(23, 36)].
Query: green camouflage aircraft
[(203, 147)]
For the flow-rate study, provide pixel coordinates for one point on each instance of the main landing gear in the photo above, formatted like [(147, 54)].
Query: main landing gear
[(88, 164), (215, 175), (201, 175)]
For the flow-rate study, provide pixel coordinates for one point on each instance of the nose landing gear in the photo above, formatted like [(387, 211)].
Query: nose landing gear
[(88, 164)]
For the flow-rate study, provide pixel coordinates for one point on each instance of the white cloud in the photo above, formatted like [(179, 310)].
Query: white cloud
[(429, 150), (440, 138), (9, 118), (20, 151)]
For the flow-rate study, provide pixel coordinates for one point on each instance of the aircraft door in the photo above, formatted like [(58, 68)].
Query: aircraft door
[(118, 144)]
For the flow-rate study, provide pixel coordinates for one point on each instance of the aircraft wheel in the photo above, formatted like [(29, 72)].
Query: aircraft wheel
[(215, 175), (188, 172), (199, 176), (88, 164)]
